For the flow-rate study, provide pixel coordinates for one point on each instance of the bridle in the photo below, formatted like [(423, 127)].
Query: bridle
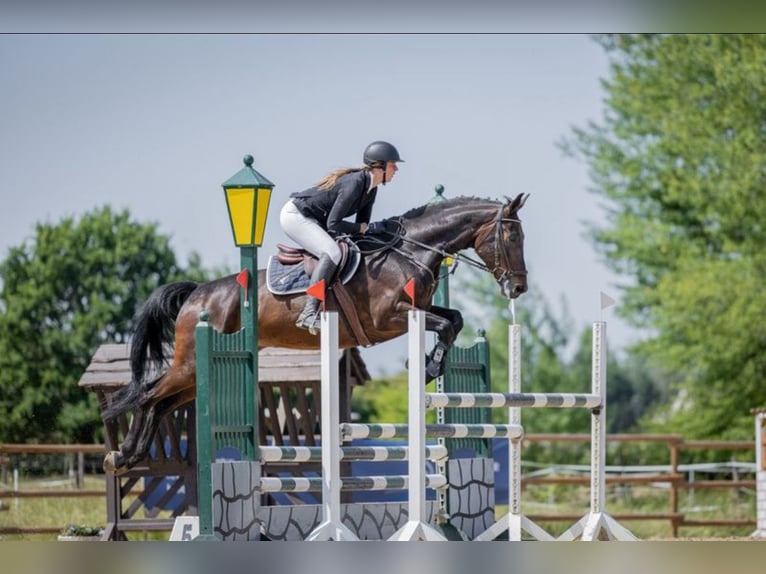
[(502, 261)]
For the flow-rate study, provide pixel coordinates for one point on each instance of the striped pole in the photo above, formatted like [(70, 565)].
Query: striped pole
[(348, 483), (417, 527), (512, 399), (332, 527), (514, 522), (451, 430), (371, 453), (760, 477), (598, 521)]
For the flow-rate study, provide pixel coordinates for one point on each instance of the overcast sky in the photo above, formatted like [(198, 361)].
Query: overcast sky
[(155, 124)]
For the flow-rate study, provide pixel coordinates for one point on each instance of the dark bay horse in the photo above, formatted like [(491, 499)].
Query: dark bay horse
[(425, 237)]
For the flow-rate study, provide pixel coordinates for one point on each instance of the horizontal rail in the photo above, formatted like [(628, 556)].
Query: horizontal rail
[(623, 479), (367, 453), (498, 400), (304, 484), (358, 430), (586, 438), (52, 448), (41, 493)]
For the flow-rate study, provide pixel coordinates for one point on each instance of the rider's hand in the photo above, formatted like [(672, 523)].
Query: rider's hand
[(376, 227)]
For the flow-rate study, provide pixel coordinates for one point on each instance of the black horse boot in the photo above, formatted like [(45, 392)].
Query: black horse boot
[(309, 316)]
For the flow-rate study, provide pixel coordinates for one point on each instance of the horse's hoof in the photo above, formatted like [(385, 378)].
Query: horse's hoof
[(112, 465), (433, 370)]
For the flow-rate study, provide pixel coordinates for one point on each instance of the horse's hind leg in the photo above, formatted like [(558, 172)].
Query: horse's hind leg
[(145, 422), (155, 414), (114, 461)]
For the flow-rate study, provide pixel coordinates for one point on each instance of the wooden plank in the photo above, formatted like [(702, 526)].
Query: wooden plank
[(110, 366), (52, 448)]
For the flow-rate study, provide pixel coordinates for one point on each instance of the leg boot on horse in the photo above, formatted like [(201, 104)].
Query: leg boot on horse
[(309, 316)]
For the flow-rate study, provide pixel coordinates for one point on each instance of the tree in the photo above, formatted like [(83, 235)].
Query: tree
[(679, 159), (76, 285)]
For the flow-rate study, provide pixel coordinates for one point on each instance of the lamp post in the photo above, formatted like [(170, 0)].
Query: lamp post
[(248, 194)]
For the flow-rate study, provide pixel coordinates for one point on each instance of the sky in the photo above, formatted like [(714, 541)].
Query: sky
[(154, 123)]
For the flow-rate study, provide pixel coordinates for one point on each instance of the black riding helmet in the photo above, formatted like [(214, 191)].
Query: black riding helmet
[(379, 152)]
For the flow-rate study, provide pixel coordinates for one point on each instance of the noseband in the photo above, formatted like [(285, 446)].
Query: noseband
[(502, 260)]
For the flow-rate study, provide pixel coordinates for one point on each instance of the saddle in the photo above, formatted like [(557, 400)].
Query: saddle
[(289, 272), (289, 255)]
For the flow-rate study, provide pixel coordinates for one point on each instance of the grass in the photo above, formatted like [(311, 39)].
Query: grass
[(54, 512), (700, 505), (57, 513)]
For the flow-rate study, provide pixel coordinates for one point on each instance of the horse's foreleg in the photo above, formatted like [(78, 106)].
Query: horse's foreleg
[(446, 323)]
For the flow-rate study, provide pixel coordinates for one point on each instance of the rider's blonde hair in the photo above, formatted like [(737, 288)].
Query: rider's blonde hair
[(329, 181)]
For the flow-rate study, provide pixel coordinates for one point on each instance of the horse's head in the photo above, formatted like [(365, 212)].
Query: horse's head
[(500, 244)]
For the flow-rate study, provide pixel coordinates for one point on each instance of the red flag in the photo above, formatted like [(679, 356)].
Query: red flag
[(409, 288), (242, 279), (317, 290)]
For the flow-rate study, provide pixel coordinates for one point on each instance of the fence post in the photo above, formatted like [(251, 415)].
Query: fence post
[(205, 449)]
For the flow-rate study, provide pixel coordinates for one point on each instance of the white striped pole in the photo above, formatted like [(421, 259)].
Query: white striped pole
[(372, 453), (451, 430), (348, 483), (332, 527), (597, 521), (417, 527), (514, 521), (760, 477)]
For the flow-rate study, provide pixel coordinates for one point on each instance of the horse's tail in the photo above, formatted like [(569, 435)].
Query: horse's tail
[(153, 333)]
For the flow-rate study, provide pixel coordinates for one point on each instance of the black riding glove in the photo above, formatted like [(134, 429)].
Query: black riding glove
[(377, 227)]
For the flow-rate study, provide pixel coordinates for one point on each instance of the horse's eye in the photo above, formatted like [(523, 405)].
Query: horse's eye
[(513, 236)]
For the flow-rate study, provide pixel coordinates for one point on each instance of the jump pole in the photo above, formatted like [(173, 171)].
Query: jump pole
[(760, 475), (514, 522), (332, 527), (417, 527), (591, 525)]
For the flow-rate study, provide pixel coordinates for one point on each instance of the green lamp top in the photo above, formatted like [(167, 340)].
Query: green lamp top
[(247, 176), (439, 189)]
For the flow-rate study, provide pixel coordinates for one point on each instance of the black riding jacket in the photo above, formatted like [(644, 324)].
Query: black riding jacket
[(330, 207)]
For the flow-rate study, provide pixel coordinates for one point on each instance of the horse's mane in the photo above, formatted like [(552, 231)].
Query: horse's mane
[(458, 201)]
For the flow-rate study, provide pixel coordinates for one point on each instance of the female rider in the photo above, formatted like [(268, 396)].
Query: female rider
[(312, 217)]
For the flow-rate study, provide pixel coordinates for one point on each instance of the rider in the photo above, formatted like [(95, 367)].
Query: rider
[(312, 217)]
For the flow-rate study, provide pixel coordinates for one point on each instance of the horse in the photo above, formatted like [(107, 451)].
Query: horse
[(422, 239)]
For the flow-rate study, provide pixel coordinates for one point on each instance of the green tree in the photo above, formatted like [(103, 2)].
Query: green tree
[(679, 159), (76, 285)]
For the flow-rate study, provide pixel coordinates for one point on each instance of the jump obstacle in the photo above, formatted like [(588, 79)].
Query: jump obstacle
[(589, 528), (419, 525)]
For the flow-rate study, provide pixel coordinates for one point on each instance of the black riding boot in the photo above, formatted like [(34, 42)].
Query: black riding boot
[(309, 317)]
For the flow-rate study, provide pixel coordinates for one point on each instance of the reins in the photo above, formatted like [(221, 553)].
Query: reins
[(502, 260)]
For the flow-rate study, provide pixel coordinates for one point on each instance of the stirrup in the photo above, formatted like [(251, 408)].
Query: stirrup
[(310, 323)]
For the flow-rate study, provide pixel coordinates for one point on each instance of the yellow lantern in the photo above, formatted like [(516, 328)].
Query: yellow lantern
[(248, 194)]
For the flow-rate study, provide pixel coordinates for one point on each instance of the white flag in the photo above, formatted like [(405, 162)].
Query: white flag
[(606, 301)]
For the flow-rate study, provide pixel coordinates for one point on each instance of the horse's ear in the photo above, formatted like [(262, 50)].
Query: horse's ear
[(518, 203)]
